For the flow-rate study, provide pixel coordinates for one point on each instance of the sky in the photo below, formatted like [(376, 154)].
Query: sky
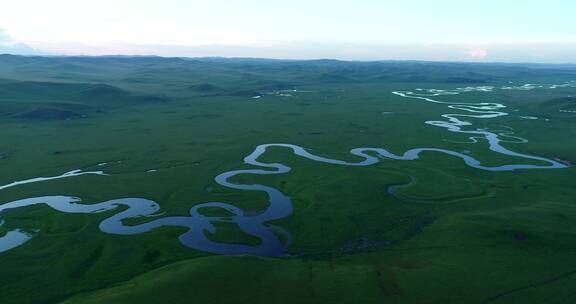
[(445, 30)]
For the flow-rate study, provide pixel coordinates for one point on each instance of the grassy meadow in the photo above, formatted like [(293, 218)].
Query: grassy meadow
[(451, 234)]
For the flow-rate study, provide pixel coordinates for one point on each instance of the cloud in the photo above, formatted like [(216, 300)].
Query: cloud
[(8, 45), (478, 52)]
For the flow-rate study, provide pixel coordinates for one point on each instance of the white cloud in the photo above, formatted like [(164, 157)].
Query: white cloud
[(478, 52)]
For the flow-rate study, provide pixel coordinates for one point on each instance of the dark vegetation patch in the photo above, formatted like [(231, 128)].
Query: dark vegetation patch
[(213, 90), (102, 90), (206, 88), (151, 255), (203, 116), (81, 269), (243, 93), (148, 99), (83, 93), (565, 103), (277, 86), (532, 285), (334, 77), (465, 80), (49, 113)]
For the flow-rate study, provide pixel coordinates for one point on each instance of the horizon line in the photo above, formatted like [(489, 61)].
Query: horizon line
[(289, 59)]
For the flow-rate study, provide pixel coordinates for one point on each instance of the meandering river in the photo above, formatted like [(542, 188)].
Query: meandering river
[(274, 240)]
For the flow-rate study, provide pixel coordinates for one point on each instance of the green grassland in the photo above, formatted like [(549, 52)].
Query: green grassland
[(450, 234)]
